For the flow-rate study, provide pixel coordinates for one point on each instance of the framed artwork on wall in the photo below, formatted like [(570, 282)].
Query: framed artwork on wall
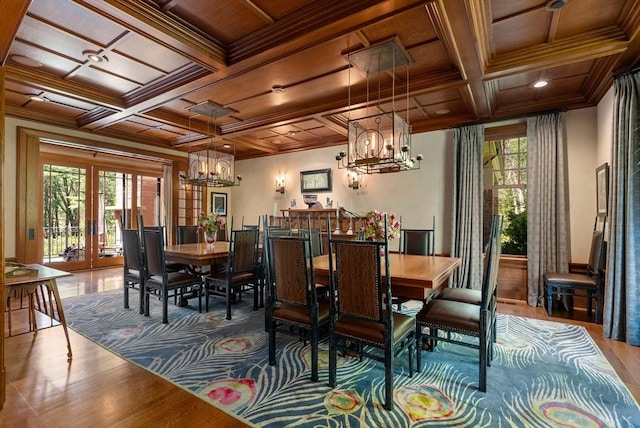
[(219, 203), (602, 189), (318, 180)]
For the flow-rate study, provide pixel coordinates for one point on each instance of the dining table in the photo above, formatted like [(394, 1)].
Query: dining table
[(413, 276), (198, 254)]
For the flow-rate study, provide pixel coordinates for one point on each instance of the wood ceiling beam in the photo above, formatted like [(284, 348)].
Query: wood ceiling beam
[(76, 90), (570, 50), (320, 21)]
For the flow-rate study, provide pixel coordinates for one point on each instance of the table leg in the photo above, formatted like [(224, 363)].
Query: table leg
[(53, 286)]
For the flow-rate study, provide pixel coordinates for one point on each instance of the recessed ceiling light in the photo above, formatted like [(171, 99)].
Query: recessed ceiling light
[(95, 56), (443, 111), (24, 60), (226, 146), (540, 84), (291, 133), (556, 4), (278, 89)]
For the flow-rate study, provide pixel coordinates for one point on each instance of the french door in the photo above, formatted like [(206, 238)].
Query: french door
[(85, 207)]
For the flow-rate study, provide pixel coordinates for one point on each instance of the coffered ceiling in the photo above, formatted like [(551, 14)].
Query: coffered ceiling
[(279, 67)]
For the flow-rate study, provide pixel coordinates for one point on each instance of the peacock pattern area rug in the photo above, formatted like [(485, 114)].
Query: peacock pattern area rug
[(544, 374)]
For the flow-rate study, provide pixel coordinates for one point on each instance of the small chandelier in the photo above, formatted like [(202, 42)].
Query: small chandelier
[(208, 167), (380, 142)]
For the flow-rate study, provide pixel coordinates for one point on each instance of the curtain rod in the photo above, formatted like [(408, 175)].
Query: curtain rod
[(624, 73), (502, 119)]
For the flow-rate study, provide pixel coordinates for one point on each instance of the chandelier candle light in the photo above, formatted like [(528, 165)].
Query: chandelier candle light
[(379, 142)]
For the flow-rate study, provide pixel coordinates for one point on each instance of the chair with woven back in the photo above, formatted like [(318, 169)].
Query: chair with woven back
[(293, 307), (473, 322), (134, 269), (361, 318), (242, 270), (160, 281)]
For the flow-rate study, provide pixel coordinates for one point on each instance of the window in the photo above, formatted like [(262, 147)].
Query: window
[(505, 186)]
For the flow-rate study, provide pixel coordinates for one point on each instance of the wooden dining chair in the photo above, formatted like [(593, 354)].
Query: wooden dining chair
[(293, 307), (588, 285), (361, 318), (473, 322), (418, 242), (161, 282), (134, 268), (242, 271)]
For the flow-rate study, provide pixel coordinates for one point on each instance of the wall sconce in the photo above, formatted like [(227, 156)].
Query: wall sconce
[(355, 179), (281, 181)]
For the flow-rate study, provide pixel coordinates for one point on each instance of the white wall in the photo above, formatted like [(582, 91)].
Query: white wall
[(605, 128), (582, 143)]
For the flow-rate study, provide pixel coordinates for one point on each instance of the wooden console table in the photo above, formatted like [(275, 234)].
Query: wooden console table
[(42, 276)]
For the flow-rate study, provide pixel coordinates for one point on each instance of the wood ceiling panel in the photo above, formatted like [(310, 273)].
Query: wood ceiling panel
[(101, 77), (148, 52), (55, 108), (51, 62), (500, 9), (521, 31), (225, 24), (412, 27), (75, 19), (53, 39), (278, 9), (578, 18)]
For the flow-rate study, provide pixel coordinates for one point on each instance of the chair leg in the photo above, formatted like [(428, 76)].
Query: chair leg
[(388, 379), (228, 295), (549, 289), (314, 353), (272, 342), (332, 360), (146, 304), (418, 348), (165, 308), (142, 294), (126, 295), (483, 363)]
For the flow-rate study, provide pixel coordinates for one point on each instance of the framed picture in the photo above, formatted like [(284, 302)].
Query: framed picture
[(602, 189), (318, 180), (219, 203)]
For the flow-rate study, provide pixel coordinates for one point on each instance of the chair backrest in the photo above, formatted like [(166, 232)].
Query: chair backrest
[(154, 252), (132, 250), (357, 280), (315, 236), (291, 275), (243, 251), (596, 253), (491, 265), (187, 234), (417, 241)]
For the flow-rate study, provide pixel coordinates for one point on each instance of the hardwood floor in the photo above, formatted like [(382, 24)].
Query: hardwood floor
[(99, 389)]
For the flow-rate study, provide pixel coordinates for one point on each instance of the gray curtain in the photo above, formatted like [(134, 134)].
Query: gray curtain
[(466, 230), (622, 291), (547, 208)]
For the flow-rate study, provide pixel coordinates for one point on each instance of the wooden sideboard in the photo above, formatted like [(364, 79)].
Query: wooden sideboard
[(319, 217)]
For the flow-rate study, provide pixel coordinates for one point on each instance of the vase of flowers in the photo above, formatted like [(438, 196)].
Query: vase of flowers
[(373, 227), (210, 224)]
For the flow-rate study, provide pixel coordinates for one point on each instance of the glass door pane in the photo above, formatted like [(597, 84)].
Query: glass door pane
[(64, 215), (109, 195)]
